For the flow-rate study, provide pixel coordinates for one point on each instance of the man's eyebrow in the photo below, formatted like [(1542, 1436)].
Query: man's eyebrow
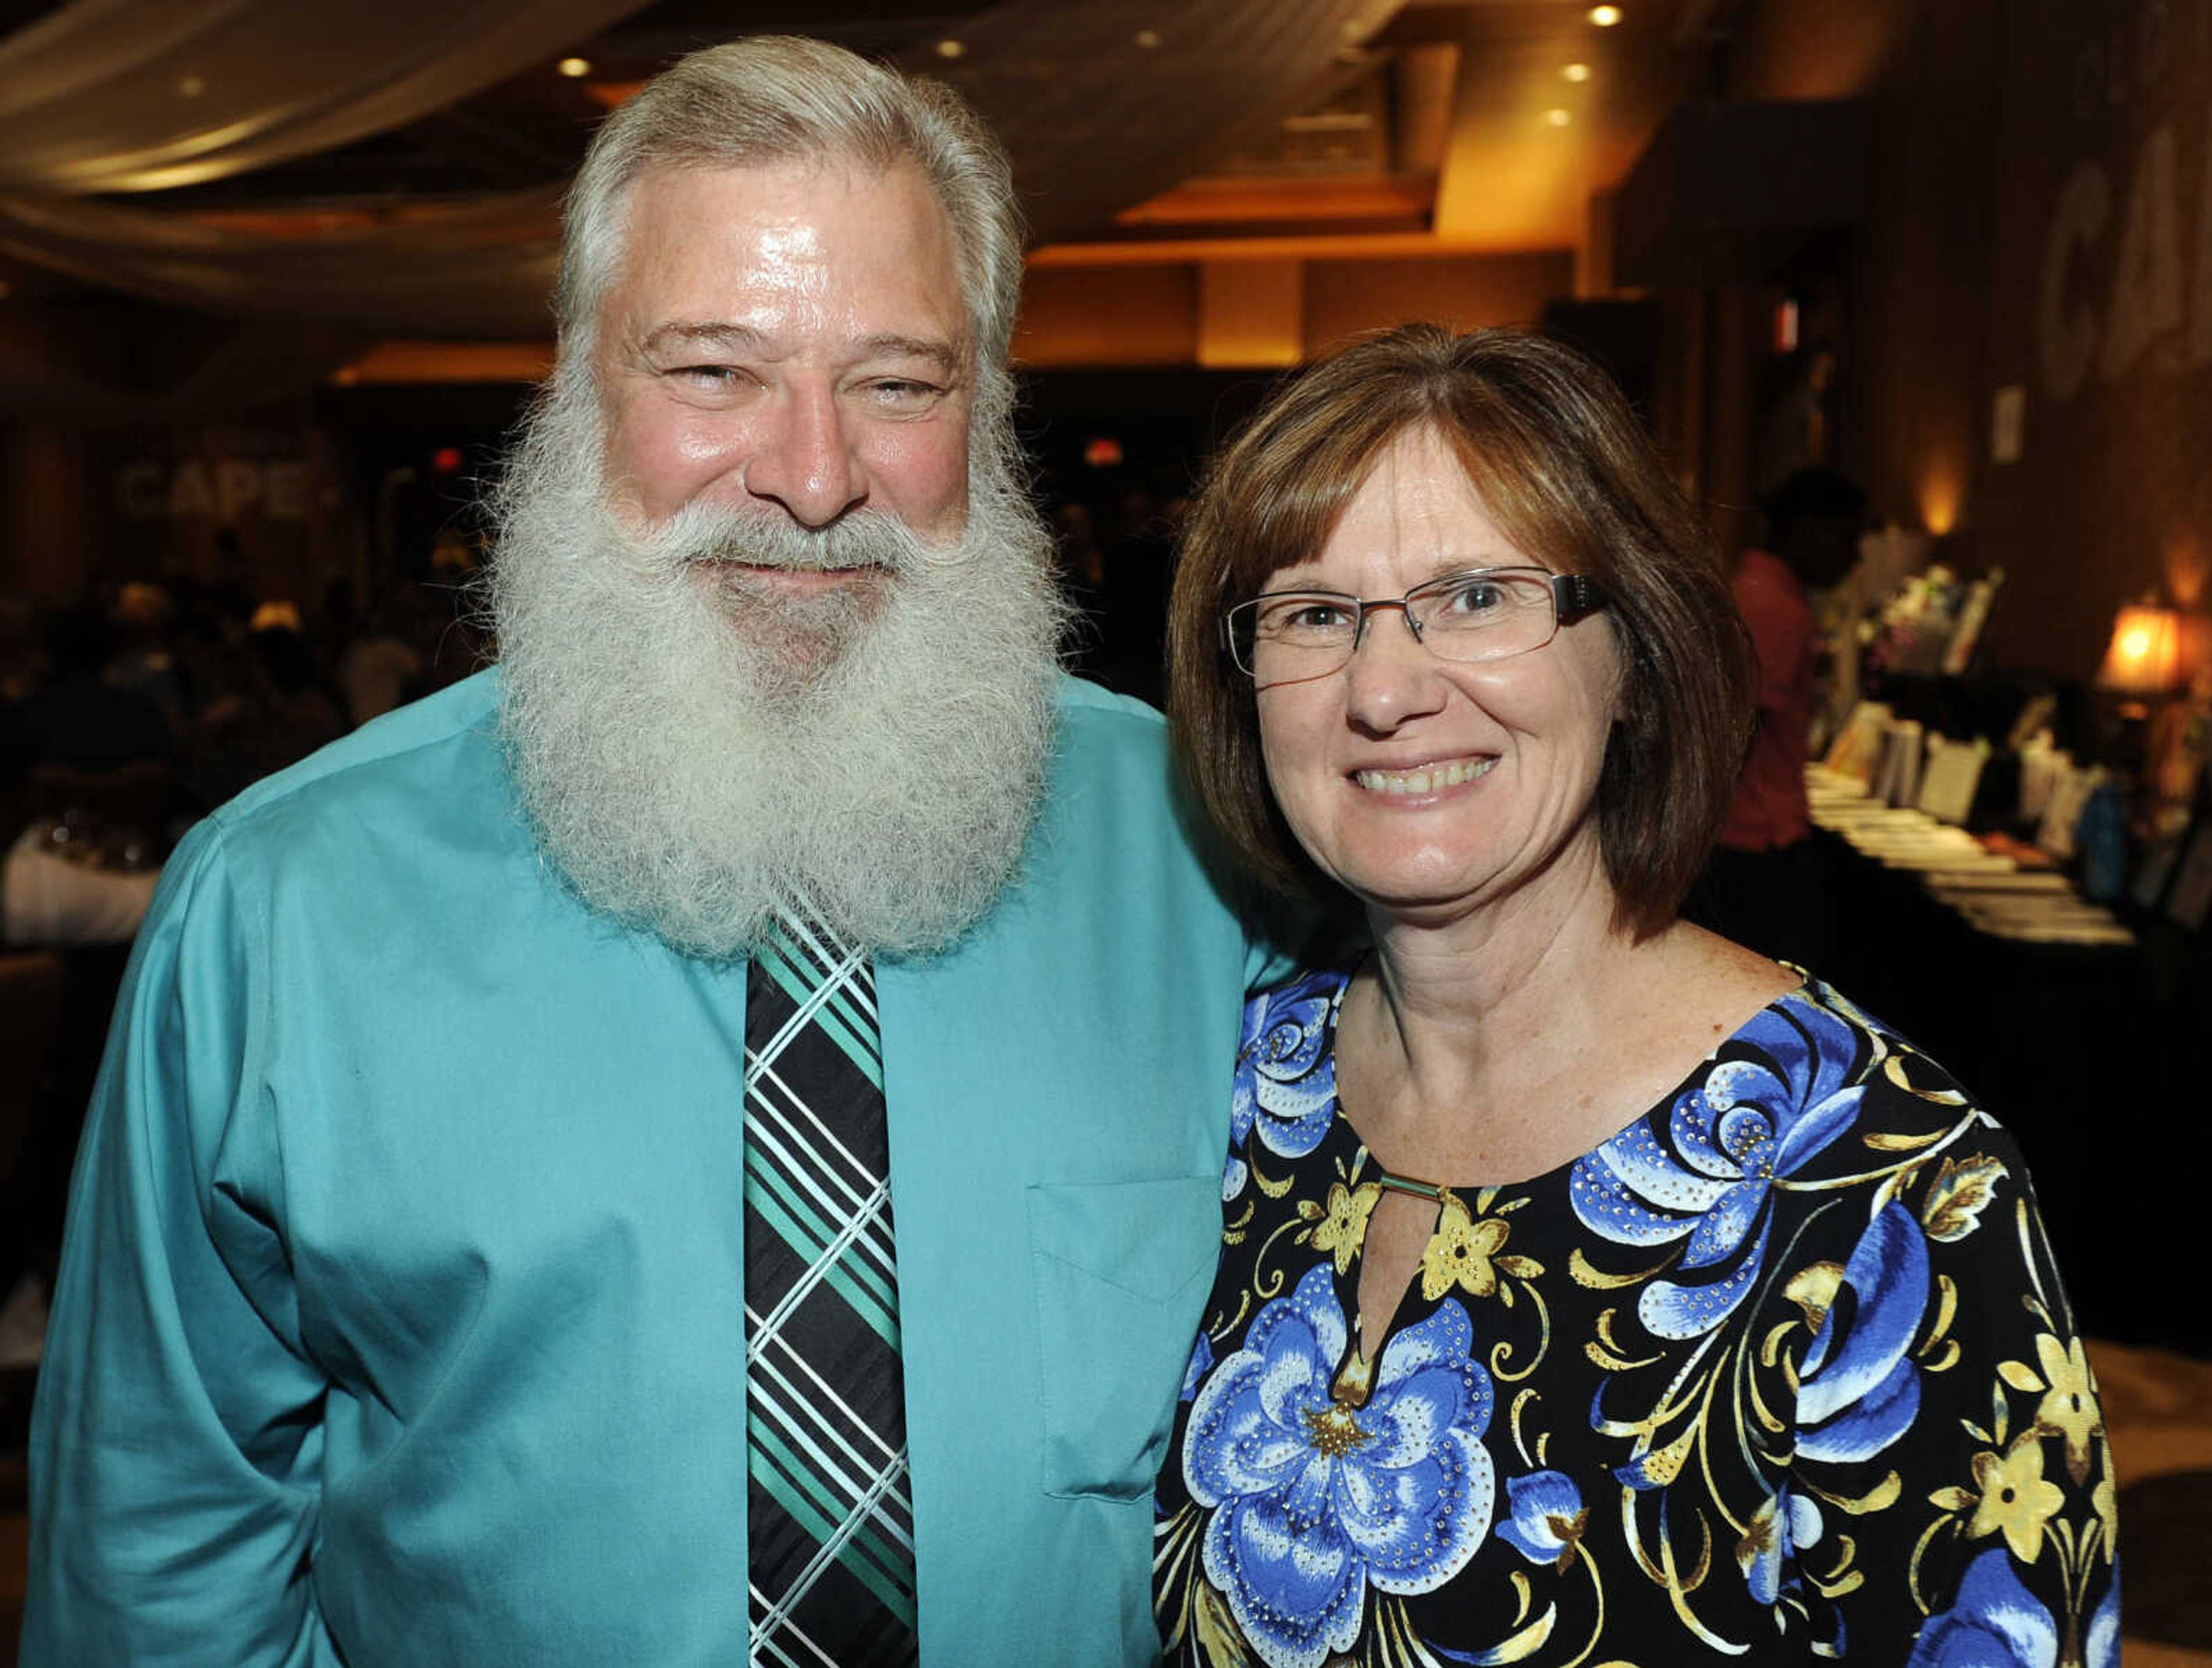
[(942, 353), (707, 334), (683, 335)]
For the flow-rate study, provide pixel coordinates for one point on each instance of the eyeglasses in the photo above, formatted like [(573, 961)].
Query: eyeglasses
[(1485, 613)]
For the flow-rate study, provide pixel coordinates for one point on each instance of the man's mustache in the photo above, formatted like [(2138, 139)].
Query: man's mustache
[(744, 536)]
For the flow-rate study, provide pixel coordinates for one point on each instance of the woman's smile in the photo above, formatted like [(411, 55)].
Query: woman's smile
[(1426, 781)]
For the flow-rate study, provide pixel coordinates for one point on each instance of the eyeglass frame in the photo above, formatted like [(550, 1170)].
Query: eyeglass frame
[(1574, 596)]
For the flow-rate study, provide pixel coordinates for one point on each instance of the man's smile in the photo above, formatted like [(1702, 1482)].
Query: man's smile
[(803, 581)]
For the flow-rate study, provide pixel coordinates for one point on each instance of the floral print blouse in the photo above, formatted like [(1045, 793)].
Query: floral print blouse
[(1781, 1371)]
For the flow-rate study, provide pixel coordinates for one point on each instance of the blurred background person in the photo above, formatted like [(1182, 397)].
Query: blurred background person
[(1765, 885)]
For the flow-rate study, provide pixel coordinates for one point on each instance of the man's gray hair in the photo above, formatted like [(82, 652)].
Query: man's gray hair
[(781, 99)]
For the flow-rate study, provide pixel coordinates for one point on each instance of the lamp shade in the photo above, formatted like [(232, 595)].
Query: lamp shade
[(2145, 656)]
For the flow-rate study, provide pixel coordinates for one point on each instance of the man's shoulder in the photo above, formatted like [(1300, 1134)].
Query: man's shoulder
[(412, 817), (1096, 708), (449, 737), (1111, 741)]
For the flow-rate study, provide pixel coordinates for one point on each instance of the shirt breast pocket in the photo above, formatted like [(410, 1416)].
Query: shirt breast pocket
[(1120, 1271)]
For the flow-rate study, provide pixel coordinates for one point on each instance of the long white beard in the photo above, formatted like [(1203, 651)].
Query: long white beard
[(696, 762)]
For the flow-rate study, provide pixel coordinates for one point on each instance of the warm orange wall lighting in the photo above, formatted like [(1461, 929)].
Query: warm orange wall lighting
[(1251, 315), (1939, 501), (2188, 567)]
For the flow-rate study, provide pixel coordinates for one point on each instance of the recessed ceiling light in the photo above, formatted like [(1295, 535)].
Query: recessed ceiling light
[(1557, 118), (575, 67), (1148, 38), (1575, 72), (191, 87), (951, 48), (1605, 16)]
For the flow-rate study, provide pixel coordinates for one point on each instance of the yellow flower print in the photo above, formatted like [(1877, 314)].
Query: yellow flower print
[(2070, 1409), (2015, 1497), (2106, 1498), (1341, 1225), (1460, 1253), (1762, 1537), (1813, 1288)]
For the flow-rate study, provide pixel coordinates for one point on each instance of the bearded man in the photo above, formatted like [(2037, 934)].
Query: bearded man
[(701, 1140)]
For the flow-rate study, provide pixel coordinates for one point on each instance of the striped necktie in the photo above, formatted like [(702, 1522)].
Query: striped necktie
[(832, 1521)]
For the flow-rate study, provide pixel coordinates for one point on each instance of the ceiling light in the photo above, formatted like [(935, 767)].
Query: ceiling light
[(949, 48), (1148, 38), (1605, 16), (1557, 118), (575, 68), (1575, 72), (191, 87)]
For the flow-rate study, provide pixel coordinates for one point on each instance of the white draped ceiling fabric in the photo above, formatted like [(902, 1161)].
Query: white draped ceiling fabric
[(143, 95), (106, 104)]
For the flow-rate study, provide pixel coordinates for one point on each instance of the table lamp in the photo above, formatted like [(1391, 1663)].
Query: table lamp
[(2144, 658)]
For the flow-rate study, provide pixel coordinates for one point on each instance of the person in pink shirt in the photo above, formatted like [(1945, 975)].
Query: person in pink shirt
[(1765, 886)]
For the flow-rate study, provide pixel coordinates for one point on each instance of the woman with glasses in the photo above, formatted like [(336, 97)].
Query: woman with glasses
[(1592, 1290)]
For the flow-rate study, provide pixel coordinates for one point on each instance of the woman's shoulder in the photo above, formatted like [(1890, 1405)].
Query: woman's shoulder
[(1828, 1067), (1289, 1036), (1284, 1087), (1846, 1109), (1813, 1099), (1819, 1034), (1304, 992)]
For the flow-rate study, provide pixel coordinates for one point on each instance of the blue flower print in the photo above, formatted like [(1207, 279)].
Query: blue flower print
[(1544, 1518), (2101, 1649), (1201, 1364), (1753, 1121), (1783, 1525), (1858, 1388), (1997, 1622), (1285, 1079), (1313, 1499)]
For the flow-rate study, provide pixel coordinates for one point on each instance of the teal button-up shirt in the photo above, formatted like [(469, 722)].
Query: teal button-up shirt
[(401, 1316)]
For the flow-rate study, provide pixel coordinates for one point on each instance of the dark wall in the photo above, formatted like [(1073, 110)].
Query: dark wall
[(2038, 238), (2100, 314)]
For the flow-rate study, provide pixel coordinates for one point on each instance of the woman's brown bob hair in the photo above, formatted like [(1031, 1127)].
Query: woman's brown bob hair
[(1568, 474)]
